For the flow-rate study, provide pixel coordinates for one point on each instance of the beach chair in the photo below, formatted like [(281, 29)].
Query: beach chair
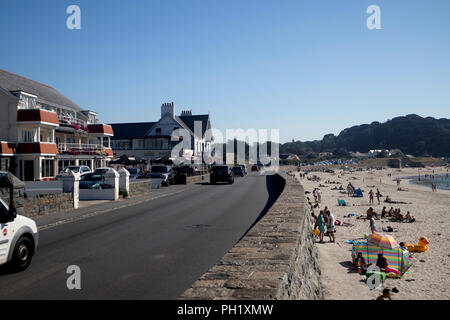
[(342, 203)]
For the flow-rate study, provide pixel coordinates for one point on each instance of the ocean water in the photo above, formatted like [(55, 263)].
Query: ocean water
[(442, 181)]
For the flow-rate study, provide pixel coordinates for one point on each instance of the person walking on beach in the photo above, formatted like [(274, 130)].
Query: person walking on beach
[(331, 229), (319, 195), (321, 225), (370, 196), (378, 194), (373, 226)]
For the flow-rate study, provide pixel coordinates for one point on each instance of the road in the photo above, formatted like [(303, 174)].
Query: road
[(151, 250)]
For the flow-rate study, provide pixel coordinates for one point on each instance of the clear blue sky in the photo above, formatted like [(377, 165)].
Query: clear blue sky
[(306, 67)]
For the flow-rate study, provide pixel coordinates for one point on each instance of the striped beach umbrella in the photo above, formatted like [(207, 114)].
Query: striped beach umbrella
[(382, 240)]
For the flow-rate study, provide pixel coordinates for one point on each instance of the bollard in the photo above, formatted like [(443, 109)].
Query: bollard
[(124, 180), (112, 178)]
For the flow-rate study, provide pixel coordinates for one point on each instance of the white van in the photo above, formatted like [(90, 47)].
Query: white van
[(18, 238)]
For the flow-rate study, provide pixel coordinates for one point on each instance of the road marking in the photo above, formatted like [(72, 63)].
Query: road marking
[(96, 213)]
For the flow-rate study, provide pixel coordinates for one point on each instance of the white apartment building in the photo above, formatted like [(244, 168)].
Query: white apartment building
[(42, 131)]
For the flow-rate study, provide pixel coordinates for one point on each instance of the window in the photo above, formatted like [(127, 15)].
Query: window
[(48, 168), (27, 136)]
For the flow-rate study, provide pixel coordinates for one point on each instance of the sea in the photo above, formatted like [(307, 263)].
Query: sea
[(442, 181)]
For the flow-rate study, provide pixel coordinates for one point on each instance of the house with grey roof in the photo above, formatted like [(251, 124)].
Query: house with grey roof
[(42, 131), (154, 141)]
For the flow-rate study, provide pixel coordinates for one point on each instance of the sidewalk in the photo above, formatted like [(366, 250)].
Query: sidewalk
[(95, 207)]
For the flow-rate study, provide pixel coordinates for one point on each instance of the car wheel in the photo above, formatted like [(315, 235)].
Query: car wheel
[(22, 254)]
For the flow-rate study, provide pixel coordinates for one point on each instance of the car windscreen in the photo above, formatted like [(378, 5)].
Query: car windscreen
[(220, 168), (73, 169), (91, 177), (133, 170), (160, 169)]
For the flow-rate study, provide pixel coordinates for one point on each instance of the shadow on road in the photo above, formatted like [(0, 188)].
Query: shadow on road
[(275, 186)]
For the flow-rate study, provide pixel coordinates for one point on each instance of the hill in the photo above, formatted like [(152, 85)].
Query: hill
[(411, 134)]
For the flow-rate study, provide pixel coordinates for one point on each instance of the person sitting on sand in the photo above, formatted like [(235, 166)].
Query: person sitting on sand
[(360, 263), (397, 215), (389, 200), (384, 212), (382, 262), (391, 212), (386, 295), (409, 217)]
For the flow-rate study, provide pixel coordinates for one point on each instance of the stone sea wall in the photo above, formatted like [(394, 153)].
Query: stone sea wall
[(140, 187), (275, 260)]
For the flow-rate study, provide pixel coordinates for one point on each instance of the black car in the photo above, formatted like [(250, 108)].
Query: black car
[(221, 173), (238, 171)]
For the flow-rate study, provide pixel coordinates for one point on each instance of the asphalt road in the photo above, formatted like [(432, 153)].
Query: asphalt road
[(151, 250)]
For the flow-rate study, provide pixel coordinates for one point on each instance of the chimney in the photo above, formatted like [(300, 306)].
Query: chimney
[(186, 113), (167, 108)]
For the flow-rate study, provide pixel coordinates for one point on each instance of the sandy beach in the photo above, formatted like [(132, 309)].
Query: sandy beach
[(429, 277)]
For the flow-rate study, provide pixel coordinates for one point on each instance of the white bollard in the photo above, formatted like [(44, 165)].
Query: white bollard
[(76, 190), (112, 178), (124, 180), (71, 183)]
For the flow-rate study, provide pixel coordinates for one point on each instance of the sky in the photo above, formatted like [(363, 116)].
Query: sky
[(307, 68)]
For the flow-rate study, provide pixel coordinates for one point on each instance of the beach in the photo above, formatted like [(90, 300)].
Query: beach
[(429, 276)]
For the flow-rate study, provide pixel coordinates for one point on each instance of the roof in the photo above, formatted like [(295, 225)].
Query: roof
[(189, 120), (46, 94), (130, 130), (140, 129)]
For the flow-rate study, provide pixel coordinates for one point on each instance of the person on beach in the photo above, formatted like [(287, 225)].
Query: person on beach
[(360, 263), (371, 213), (391, 212), (321, 225), (409, 217), (378, 194), (386, 295), (373, 226), (319, 195), (370, 196), (384, 212), (382, 262), (331, 229)]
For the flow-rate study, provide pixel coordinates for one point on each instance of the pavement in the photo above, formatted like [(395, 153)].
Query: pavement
[(150, 247)]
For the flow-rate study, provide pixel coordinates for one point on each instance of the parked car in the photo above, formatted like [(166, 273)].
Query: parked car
[(18, 239), (255, 167), (94, 180), (76, 169), (103, 170), (135, 173), (162, 172), (221, 173), (238, 171)]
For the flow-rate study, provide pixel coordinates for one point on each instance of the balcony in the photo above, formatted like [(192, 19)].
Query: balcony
[(82, 149), (70, 124)]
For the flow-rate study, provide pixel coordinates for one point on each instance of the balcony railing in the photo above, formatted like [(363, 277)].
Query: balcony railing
[(81, 149), (64, 120)]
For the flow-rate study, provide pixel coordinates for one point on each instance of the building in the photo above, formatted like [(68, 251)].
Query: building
[(42, 131), (153, 140)]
